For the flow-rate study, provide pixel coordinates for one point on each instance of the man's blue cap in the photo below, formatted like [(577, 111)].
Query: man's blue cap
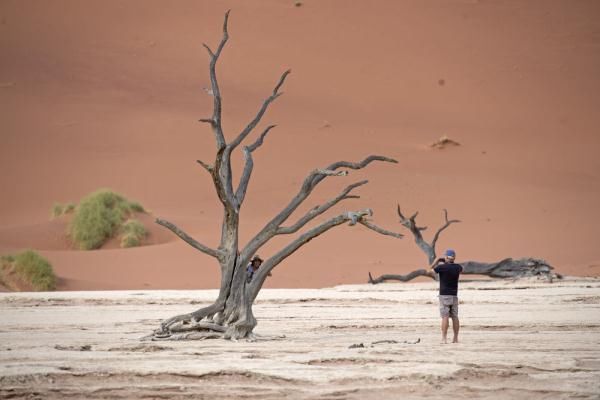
[(450, 253)]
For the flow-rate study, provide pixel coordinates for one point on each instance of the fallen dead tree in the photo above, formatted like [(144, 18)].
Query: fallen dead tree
[(506, 268)]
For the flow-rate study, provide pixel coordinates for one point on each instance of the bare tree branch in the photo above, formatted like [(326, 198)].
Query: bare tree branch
[(261, 112), (240, 193), (507, 268), (221, 171), (188, 239), (446, 225), (361, 164), (206, 166), (380, 230), (316, 176), (403, 278), (310, 182), (318, 210), (260, 139), (411, 225), (306, 237), (217, 101), (210, 52)]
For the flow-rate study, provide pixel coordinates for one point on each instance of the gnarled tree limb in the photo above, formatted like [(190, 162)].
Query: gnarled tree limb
[(379, 230), (215, 121), (260, 113), (209, 168), (309, 184), (442, 228), (318, 210), (188, 239), (240, 193), (273, 261), (507, 268)]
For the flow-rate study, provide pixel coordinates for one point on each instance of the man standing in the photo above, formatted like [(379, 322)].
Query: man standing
[(449, 273)]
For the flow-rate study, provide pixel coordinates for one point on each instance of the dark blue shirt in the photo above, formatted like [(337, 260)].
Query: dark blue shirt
[(449, 274)]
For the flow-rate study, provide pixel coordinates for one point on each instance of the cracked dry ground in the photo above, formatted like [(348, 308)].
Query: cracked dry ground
[(520, 340)]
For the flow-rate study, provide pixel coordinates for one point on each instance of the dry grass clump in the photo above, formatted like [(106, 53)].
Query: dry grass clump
[(132, 233), (100, 216), (27, 268)]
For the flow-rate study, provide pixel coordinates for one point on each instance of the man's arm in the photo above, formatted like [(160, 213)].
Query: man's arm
[(435, 263)]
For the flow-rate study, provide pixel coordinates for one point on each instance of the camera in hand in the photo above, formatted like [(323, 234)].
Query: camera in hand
[(441, 260)]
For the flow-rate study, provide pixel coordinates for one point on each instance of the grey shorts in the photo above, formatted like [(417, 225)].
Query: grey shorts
[(448, 306)]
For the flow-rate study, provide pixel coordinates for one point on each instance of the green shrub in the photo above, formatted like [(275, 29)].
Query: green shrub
[(34, 269), (133, 232), (99, 217), (137, 207), (130, 240), (135, 227)]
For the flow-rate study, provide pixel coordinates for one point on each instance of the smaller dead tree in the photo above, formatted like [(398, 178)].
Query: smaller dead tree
[(506, 268)]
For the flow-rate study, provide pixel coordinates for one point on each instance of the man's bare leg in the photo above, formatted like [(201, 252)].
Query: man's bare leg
[(445, 329), (455, 328)]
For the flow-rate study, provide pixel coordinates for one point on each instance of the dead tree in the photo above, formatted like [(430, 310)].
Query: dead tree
[(230, 316), (507, 268)]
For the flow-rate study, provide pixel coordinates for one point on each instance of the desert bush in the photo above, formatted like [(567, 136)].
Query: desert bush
[(137, 207), (130, 240), (99, 217), (31, 268), (133, 231)]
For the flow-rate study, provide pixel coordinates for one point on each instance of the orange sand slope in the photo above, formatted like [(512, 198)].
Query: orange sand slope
[(107, 94)]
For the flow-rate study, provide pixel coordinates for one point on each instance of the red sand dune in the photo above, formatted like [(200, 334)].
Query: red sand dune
[(107, 94)]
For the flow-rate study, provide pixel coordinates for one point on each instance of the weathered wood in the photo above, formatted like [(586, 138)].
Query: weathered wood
[(231, 315), (403, 278), (507, 268), (272, 262), (188, 239), (411, 225)]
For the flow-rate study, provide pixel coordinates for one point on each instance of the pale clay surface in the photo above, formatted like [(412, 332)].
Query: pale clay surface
[(524, 339)]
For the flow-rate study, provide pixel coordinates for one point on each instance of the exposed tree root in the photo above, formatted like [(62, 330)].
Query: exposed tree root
[(188, 336)]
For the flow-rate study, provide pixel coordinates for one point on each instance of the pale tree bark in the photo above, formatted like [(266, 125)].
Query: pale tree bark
[(230, 316), (506, 268)]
